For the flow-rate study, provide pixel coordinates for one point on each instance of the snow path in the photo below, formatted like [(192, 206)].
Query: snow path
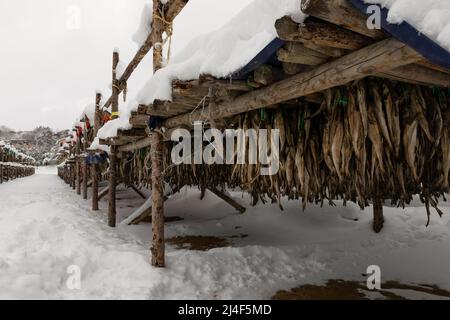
[(45, 228)]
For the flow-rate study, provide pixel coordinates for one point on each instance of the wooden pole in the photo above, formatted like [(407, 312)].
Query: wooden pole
[(98, 99), (77, 168), (113, 155), (112, 187), (157, 140), (378, 217), (83, 160), (115, 87), (341, 13), (158, 246), (228, 199)]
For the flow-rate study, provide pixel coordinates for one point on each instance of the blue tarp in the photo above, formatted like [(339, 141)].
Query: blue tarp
[(96, 158), (267, 55), (406, 33)]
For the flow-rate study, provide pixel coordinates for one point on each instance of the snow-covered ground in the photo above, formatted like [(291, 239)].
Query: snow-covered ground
[(45, 228)]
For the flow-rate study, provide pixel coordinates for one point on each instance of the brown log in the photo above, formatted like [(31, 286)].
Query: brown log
[(378, 218), (430, 65), (158, 29), (267, 74), (320, 33), (157, 149), (112, 187), (298, 53), (139, 120), (94, 172), (327, 51), (115, 87), (78, 176), (416, 74), (293, 68), (376, 58), (98, 99), (135, 189), (143, 143), (228, 200), (84, 170), (158, 246), (175, 7), (103, 193), (341, 13)]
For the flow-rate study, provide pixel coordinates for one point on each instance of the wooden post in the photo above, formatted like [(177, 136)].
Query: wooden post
[(77, 166), (84, 168), (378, 218), (72, 176), (112, 187), (158, 245), (94, 173), (113, 156), (115, 87)]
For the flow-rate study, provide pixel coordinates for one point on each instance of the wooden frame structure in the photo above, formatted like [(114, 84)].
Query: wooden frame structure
[(332, 48)]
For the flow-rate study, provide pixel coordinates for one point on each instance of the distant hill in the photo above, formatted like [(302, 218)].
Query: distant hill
[(39, 143)]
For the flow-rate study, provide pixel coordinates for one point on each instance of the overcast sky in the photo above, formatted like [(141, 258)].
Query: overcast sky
[(54, 54)]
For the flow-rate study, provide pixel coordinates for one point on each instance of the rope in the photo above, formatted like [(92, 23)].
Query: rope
[(168, 28)]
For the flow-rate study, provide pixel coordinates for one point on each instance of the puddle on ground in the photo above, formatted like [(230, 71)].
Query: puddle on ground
[(199, 243), (353, 290)]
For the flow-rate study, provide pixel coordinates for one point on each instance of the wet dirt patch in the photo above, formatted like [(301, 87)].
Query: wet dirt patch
[(148, 219), (199, 243), (353, 290)]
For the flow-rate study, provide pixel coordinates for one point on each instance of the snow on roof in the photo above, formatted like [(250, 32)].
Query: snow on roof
[(145, 25), (218, 53), (431, 17), (224, 51), (13, 150), (89, 112)]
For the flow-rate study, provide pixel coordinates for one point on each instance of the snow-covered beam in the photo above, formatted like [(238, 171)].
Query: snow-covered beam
[(377, 58)]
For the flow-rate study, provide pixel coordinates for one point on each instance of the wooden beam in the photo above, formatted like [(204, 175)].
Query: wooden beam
[(433, 66), (85, 178), (135, 189), (158, 246), (139, 120), (210, 82), (297, 53), (320, 33), (376, 58), (157, 149), (112, 187), (327, 51), (103, 193), (417, 74), (115, 87), (173, 9), (143, 143), (228, 199), (378, 218), (341, 13)]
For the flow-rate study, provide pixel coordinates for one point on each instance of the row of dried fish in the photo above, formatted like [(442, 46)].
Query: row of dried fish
[(368, 140)]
